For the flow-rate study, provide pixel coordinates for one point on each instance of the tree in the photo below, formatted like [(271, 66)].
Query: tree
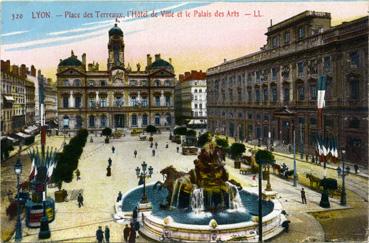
[(221, 142), (237, 149), (151, 129), (264, 157), (203, 139), (180, 131), (107, 131)]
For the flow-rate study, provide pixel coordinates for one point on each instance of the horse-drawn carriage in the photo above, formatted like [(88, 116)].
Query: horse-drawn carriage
[(282, 170)]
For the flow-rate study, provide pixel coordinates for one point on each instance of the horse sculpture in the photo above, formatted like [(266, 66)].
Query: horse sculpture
[(170, 175)]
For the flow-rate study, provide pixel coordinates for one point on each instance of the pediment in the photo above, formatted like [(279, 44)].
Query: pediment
[(162, 73), (70, 72)]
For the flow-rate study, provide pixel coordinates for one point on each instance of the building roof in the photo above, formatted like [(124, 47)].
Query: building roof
[(161, 64), (115, 31), (70, 61)]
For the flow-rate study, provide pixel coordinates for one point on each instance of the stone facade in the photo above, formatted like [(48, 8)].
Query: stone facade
[(118, 97), (246, 94), (191, 97)]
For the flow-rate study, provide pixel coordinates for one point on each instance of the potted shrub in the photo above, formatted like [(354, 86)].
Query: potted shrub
[(236, 150), (106, 132), (180, 131)]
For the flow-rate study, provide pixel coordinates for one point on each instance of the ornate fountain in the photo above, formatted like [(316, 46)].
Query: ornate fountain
[(201, 205)]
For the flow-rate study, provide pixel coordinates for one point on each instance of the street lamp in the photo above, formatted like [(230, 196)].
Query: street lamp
[(344, 173), (18, 226), (142, 175)]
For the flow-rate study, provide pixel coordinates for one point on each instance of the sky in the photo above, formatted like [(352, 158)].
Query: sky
[(42, 33)]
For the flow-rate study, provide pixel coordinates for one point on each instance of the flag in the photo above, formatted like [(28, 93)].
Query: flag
[(33, 170), (321, 91), (50, 170)]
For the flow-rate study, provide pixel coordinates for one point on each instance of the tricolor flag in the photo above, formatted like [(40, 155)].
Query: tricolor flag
[(32, 174), (322, 85), (50, 170)]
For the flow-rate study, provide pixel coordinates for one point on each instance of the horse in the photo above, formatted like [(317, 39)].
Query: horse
[(276, 169), (170, 175), (313, 180)]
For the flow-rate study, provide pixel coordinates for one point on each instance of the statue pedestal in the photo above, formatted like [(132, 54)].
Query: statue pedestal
[(144, 207), (269, 195)]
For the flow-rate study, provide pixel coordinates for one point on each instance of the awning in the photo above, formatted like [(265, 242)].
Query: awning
[(8, 98), (12, 139), (196, 122), (23, 135)]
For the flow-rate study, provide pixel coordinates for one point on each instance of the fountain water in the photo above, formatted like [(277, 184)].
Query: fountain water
[(197, 200)]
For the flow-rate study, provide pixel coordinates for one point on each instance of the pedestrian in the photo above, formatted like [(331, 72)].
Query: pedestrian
[(356, 168), (135, 153), (153, 152), (108, 171), (99, 235), (303, 196), (113, 149), (339, 170), (109, 162), (156, 145), (80, 200), (132, 234), (119, 196), (151, 144), (167, 145), (126, 232), (177, 149), (107, 234), (78, 174), (135, 213)]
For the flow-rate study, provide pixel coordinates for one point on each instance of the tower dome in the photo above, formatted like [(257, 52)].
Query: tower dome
[(116, 31)]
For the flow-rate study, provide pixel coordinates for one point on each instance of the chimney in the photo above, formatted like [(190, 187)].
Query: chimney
[(15, 70), (84, 59), (49, 81), (90, 65), (5, 66), (148, 60), (225, 59), (181, 77), (33, 71), (97, 66), (170, 60), (271, 22), (23, 71), (157, 57)]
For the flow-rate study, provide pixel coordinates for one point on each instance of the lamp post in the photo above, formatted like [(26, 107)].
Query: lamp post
[(142, 175), (344, 173), (18, 226)]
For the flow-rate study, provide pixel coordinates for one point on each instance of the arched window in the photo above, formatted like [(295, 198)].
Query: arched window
[(77, 82), (91, 121), (102, 83), (157, 82), (78, 122), (144, 120), (157, 119), (134, 120), (103, 121), (167, 82), (354, 89), (169, 119), (65, 101), (195, 90), (66, 82), (66, 121)]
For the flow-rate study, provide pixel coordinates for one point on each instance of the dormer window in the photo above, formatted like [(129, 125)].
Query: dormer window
[(157, 82), (275, 41), (167, 82), (77, 82), (66, 82), (287, 37)]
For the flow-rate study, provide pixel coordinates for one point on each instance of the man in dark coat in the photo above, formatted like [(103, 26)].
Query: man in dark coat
[(135, 153), (113, 149), (110, 162), (119, 196), (80, 200), (303, 196), (108, 171), (126, 232), (153, 152), (156, 145), (107, 234), (132, 234), (99, 235)]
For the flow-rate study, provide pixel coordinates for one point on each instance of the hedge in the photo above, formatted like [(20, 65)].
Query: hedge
[(180, 131), (68, 159), (203, 139)]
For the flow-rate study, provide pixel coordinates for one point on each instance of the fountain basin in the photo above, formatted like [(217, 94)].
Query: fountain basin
[(188, 226)]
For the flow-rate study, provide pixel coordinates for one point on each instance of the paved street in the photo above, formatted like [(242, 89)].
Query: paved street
[(73, 224)]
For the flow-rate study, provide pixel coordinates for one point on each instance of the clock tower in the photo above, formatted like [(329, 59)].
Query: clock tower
[(116, 49)]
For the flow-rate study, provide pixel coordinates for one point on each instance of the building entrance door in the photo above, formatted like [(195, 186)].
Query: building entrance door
[(119, 121)]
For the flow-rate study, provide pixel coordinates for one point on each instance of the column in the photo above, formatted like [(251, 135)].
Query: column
[(71, 100), (97, 98), (138, 100), (139, 120)]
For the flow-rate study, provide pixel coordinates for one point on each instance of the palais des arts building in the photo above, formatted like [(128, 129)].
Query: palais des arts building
[(118, 97), (247, 96)]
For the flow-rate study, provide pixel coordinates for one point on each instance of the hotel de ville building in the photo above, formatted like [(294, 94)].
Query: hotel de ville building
[(118, 97), (267, 96)]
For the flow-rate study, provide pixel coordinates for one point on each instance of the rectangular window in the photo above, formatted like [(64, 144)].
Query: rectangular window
[(167, 100), (144, 102), (257, 96), (92, 102), (301, 32), (144, 120), (327, 63), (78, 102), (265, 94), (274, 94), (300, 69), (65, 102), (258, 76), (275, 41), (157, 100), (355, 92), (313, 92), (286, 37), (301, 93), (118, 101), (249, 95), (286, 95), (354, 57), (103, 102), (274, 74)]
